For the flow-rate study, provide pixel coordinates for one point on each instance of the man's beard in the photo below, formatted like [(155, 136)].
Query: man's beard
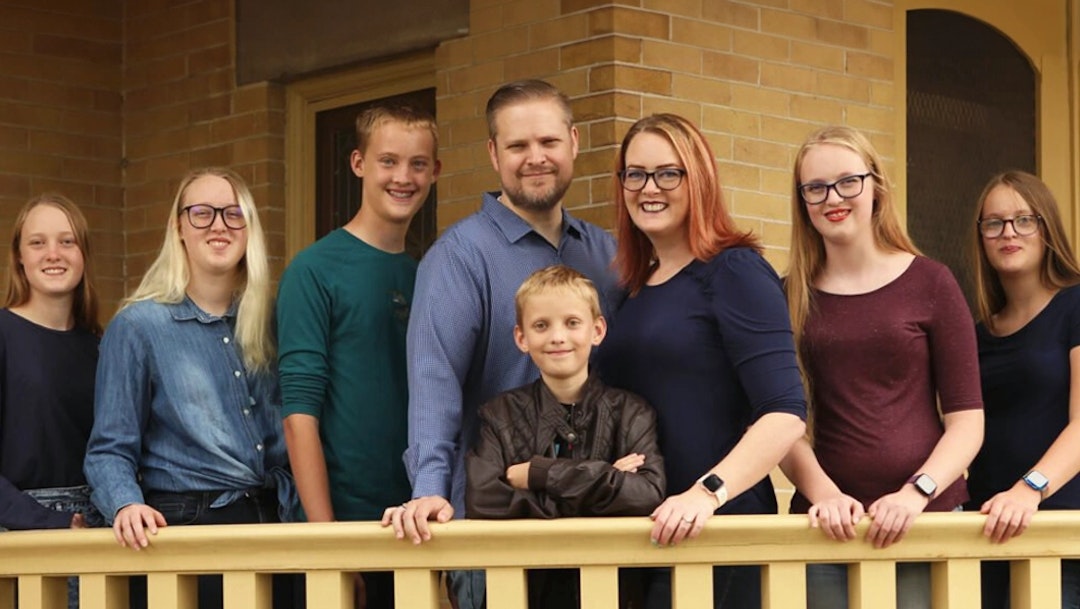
[(538, 201)]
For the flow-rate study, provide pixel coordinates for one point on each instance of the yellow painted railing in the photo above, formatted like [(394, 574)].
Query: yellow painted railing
[(37, 562)]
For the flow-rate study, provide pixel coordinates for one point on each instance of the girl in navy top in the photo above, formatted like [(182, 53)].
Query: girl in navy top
[(1028, 291), (48, 353), (704, 336)]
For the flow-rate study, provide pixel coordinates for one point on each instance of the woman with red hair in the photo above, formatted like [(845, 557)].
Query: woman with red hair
[(704, 336)]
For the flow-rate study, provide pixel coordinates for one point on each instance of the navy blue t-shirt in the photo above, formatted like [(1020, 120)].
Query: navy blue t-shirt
[(711, 349), (1025, 385), (46, 412)]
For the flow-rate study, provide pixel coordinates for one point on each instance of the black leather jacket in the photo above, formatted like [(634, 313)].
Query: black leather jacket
[(605, 425)]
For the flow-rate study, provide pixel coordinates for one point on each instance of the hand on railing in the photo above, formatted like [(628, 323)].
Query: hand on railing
[(132, 523), (681, 516), (1009, 513), (837, 516), (410, 519), (78, 521), (893, 515)]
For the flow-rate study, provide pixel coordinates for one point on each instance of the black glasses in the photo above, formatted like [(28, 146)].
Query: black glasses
[(202, 215), (667, 178), (815, 193), (1027, 224)]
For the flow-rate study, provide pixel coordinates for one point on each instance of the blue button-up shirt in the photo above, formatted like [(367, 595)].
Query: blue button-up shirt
[(175, 410), (461, 347)]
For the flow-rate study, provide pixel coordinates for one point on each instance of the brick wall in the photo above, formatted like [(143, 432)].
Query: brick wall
[(60, 126), (182, 110), (756, 76)]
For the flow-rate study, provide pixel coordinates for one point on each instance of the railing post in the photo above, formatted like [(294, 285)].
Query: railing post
[(7, 593), (1035, 583), (872, 584), (952, 583), (38, 592), (172, 591), (783, 585), (330, 589), (102, 592), (416, 588), (691, 587), (506, 588), (247, 590), (600, 587)]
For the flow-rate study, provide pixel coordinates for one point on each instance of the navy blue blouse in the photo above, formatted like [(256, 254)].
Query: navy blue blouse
[(711, 349), (46, 412), (1025, 385)]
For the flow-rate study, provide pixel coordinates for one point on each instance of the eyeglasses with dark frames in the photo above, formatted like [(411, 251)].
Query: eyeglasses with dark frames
[(849, 187), (202, 215), (1023, 225), (665, 178)]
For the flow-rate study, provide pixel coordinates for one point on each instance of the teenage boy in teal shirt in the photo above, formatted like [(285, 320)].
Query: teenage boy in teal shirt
[(342, 312)]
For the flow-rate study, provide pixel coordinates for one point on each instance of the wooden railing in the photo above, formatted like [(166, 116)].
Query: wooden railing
[(36, 563)]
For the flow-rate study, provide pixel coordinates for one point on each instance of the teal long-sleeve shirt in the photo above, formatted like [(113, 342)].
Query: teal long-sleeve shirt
[(342, 313)]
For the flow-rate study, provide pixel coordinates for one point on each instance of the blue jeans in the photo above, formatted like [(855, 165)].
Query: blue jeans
[(733, 587), (256, 506), (69, 499), (827, 586), (995, 584), (470, 588)]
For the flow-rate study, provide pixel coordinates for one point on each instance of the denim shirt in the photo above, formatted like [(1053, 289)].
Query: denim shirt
[(175, 410)]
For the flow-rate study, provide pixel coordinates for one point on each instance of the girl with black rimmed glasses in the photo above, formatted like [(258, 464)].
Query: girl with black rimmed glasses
[(1028, 304), (884, 336)]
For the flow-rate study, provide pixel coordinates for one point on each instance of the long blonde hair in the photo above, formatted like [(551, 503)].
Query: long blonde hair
[(84, 306), (808, 248), (1059, 268), (167, 278)]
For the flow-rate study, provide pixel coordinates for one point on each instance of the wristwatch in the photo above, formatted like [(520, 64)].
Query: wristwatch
[(716, 487), (1037, 481), (924, 484)]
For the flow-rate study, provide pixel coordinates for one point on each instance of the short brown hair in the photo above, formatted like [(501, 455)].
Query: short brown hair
[(521, 91), (375, 116), (558, 277)]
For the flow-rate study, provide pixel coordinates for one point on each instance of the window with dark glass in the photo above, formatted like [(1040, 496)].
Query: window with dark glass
[(971, 100)]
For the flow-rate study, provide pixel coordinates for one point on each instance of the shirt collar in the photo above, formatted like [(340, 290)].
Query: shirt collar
[(186, 310), (513, 227)]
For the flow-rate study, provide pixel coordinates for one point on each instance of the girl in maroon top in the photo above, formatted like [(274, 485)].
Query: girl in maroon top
[(883, 335)]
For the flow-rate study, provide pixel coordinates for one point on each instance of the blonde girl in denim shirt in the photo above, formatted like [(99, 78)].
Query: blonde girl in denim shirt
[(187, 410)]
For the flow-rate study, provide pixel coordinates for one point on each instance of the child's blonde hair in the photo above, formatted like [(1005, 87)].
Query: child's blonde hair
[(558, 277)]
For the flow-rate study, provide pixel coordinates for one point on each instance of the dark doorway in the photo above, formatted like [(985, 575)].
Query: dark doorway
[(971, 113), (337, 190)]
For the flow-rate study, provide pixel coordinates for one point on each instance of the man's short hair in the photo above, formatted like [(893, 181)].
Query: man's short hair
[(521, 91)]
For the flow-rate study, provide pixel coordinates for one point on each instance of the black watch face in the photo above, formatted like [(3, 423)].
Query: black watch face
[(712, 482)]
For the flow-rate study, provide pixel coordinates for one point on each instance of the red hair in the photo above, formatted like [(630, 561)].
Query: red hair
[(710, 228)]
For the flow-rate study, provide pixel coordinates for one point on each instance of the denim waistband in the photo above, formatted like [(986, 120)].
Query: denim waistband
[(259, 496), (68, 499)]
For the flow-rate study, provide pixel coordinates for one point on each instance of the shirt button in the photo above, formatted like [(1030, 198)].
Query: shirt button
[(225, 340), (251, 400), (247, 412), (258, 447), (236, 373)]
